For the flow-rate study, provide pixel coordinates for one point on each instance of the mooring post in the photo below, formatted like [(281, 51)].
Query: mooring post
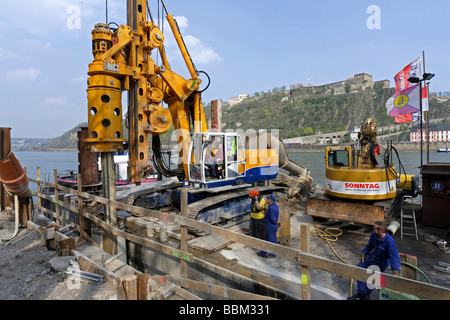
[(5, 149), (109, 192), (305, 246), (56, 200), (82, 222), (109, 185), (39, 188), (184, 231)]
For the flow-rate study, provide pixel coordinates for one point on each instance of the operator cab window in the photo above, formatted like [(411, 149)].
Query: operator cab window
[(338, 158)]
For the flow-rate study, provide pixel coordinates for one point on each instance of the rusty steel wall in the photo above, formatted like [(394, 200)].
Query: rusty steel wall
[(87, 161), (5, 149)]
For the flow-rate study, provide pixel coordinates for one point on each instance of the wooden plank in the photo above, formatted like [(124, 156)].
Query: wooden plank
[(135, 238), (143, 280), (220, 291), (129, 288), (305, 246), (408, 272), (184, 231), (38, 182), (57, 216), (184, 294), (393, 282), (65, 246)]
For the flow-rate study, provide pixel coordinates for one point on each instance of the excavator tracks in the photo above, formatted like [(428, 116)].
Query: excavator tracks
[(225, 205)]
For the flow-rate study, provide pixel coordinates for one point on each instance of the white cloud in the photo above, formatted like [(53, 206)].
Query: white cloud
[(34, 45), (29, 74), (183, 23), (55, 100), (7, 54), (200, 52), (79, 79)]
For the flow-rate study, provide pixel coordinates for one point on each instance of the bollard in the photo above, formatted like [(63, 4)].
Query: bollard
[(150, 230), (163, 233)]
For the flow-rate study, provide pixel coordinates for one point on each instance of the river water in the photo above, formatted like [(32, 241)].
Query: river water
[(314, 161)]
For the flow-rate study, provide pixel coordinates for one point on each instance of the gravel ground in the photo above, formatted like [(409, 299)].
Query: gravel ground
[(26, 273)]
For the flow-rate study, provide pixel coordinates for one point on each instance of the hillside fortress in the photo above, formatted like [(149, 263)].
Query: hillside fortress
[(353, 84), (358, 82)]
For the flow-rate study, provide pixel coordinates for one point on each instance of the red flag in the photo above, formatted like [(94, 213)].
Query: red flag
[(402, 118), (411, 70), (425, 98), (401, 83)]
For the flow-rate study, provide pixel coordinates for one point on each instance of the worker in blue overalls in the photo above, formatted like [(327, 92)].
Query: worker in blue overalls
[(271, 224), (380, 251)]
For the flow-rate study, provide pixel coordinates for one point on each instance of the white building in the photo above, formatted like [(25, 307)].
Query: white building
[(238, 99), (437, 132)]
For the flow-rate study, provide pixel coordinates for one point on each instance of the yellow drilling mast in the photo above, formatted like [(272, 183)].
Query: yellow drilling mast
[(123, 62)]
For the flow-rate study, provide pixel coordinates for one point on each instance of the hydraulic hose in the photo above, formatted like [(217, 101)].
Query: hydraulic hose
[(417, 269), (16, 221)]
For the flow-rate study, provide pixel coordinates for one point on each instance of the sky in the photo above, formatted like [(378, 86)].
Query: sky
[(244, 46)]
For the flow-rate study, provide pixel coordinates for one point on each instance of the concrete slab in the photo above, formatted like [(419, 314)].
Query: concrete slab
[(209, 243)]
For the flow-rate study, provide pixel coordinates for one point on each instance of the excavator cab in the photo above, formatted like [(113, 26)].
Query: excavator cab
[(216, 159), (338, 156)]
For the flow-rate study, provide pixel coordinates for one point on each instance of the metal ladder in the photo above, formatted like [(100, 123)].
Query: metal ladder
[(405, 217)]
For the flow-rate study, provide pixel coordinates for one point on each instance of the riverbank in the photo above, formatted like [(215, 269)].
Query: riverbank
[(400, 147)]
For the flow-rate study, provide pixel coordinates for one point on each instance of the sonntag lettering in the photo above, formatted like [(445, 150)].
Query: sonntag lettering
[(362, 185)]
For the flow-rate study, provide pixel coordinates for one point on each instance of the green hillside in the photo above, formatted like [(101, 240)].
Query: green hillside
[(294, 113), (304, 111), (68, 140)]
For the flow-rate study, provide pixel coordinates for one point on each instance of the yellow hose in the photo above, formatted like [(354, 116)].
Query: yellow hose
[(329, 237)]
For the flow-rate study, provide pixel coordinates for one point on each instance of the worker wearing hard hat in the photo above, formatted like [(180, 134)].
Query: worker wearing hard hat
[(257, 208), (270, 224)]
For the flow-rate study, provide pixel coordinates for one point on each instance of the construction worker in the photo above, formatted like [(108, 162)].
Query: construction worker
[(270, 224), (257, 208), (380, 251)]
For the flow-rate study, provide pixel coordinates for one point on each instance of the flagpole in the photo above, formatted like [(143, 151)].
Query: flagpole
[(421, 126), (426, 115)]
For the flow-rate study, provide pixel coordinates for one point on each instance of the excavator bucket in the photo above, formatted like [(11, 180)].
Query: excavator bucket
[(344, 211)]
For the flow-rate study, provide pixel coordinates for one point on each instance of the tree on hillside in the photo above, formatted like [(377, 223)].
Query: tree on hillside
[(308, 131)]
